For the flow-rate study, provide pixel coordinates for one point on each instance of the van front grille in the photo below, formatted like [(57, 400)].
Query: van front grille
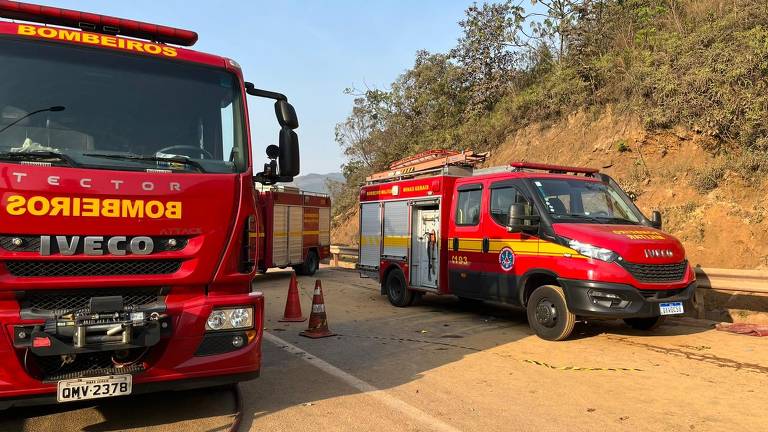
[(656, 273)]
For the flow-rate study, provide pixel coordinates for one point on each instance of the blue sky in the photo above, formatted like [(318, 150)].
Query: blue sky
[(309, 50)]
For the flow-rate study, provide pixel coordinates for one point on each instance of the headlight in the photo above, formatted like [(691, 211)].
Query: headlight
[(240, 318), (216, 320), (230, 318), (595, 252)]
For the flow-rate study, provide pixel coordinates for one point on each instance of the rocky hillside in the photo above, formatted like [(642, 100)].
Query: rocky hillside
[(668, 96), (718, 213)]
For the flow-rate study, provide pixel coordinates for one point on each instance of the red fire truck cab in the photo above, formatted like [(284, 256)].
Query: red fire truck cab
[(565, 243), (130, 224)]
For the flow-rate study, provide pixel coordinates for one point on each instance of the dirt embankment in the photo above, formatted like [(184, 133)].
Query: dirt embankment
[(725, 227)]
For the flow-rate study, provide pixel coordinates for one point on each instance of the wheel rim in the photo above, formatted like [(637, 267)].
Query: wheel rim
[(312, 262), (395, 288), (546, 313)]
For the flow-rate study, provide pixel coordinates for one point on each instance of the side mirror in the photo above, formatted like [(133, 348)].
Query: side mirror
[(289, 153), (656, 219), (286, 115), (521, 219)]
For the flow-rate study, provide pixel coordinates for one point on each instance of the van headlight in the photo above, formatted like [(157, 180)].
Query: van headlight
[(595, 252), (230, 318)]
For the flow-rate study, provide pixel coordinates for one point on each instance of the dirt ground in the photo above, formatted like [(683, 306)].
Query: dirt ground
[(441, 366)]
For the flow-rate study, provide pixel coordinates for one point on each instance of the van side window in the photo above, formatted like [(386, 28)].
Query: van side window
[(468, 207), (501, 199)]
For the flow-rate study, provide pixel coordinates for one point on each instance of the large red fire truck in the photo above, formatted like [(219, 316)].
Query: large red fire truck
[(297, 228), (130, 223), (565, 243)]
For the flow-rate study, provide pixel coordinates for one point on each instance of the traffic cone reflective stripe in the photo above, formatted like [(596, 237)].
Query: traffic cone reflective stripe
[(318, 321), (293, 303)]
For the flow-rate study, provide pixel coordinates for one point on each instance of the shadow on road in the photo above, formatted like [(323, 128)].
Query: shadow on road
[(383, 345)]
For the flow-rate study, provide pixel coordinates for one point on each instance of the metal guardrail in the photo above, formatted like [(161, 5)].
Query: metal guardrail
[(339, 252), (746, 281)]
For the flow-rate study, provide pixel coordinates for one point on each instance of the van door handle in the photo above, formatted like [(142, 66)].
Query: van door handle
[(486, 245), (455, 244)]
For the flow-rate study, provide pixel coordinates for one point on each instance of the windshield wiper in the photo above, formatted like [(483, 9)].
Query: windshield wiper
[(618, 219), (578, 216), (37, 156), (148, 158), (57, 108)]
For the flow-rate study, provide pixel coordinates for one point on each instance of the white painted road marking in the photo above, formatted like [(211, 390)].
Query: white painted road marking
[(363, 386)]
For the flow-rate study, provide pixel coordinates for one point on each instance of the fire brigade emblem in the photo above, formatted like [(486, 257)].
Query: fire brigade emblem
[(506, 259)]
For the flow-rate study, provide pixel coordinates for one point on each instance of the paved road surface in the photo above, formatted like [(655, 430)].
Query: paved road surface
[(443, 367)]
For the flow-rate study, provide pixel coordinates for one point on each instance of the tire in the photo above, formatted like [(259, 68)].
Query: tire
[(397, 290), (645, 324), (309, 266), (548, 313)]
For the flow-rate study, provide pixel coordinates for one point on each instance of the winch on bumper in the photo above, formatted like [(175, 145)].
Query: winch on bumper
[(613, 300), (104, 325)]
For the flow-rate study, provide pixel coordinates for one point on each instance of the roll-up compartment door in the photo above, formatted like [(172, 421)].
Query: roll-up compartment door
[(295, 234), (396, 229), (370, 235), (280, 235), (325, 226)]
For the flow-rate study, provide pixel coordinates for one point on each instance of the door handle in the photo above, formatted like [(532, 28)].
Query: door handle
[(455, 244), (486, 245)]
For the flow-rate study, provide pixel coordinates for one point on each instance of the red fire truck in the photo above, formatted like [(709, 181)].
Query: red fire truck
[(130, 221), (565, 243), (297, 228)]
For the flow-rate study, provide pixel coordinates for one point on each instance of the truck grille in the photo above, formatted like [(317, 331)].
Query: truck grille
[(654, 273), (53, 369), (31, 243), (62, 301), (91, 268)]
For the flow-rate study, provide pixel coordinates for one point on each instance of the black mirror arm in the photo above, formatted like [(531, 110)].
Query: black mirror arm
[(253, 91)]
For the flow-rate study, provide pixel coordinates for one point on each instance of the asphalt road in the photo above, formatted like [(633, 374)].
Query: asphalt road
[(439, 366)]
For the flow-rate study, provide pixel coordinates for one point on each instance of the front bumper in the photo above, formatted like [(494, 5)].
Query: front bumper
[(584, 299), (177, 362), (138, 389)]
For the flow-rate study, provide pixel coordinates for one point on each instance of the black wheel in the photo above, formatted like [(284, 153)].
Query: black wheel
[(261, 271), (309, 266), (645, 323), (397, 290), (548, 313)]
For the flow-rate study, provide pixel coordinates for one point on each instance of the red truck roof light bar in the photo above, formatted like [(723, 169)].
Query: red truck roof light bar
[(555, 169), (96, 23)]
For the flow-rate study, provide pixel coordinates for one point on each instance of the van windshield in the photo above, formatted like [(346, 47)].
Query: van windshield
[(115, 110), (585, 202)]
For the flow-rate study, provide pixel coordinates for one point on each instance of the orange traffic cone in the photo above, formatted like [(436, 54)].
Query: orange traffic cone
[(318, 322), (292, 303)]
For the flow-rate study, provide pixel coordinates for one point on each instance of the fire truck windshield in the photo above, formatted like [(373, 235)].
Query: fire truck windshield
[(584, 201), (118, 110)]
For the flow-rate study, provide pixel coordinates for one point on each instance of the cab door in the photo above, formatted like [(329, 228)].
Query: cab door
[(506, 253), (465, 251)]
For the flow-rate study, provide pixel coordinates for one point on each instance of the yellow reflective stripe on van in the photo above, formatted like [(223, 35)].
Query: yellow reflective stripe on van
[(396, 241), (469, 245), (370, 240), (527, 247), (518, 246)]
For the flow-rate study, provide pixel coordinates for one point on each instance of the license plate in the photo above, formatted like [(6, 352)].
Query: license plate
[(93, 388), (671, 308)]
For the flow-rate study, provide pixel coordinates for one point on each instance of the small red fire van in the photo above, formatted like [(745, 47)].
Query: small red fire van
[(565, 243)]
